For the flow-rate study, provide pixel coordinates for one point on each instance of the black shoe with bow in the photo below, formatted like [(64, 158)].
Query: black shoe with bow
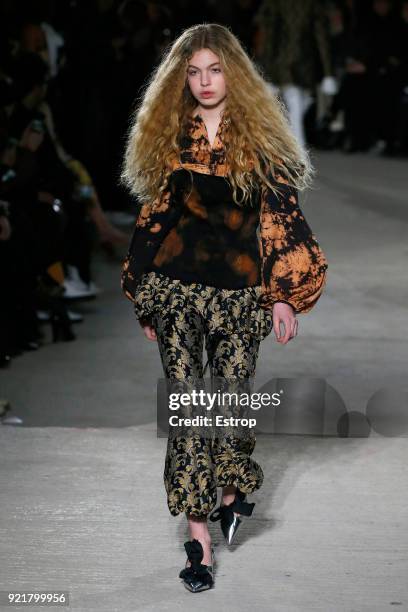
[(197, 577), (230, 521)]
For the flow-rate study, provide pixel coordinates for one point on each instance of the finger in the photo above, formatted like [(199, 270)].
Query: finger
[(276, 328), (287, 335), (151, 332), (294, 329)]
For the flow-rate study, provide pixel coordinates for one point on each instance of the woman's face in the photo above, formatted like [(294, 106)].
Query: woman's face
[(205, 78)]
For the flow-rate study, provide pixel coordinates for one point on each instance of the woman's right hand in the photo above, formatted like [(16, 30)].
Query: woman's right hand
[(148, 329)]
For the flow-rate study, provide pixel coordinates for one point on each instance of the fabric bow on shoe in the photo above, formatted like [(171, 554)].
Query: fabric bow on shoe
[(238, 505), (229, 521), (198, 576)]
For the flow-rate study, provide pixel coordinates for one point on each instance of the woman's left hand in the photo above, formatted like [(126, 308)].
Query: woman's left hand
[(148, 329), (283, 313)]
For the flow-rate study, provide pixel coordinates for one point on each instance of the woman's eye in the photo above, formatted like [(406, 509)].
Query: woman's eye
[(194, 72)]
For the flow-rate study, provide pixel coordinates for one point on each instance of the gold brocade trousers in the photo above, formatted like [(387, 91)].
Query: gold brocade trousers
[(196, 465)]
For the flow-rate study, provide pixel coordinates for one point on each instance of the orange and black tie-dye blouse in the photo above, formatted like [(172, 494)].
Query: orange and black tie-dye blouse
[(195, 232)]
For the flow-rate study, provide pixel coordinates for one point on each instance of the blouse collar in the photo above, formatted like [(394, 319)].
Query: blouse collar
[(196, 152)]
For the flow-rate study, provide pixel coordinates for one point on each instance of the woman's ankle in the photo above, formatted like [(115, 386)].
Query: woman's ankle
[(198, 529), (204, 539), (228, 495), (206, 544)]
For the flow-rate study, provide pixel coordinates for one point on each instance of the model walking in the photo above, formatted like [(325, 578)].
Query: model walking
[(221, 253)]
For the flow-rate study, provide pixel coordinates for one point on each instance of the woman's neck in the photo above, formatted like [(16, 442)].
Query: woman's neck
[(210, 114)]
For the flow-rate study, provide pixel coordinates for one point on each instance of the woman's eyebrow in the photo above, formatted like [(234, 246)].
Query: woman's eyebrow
[(209, 66)]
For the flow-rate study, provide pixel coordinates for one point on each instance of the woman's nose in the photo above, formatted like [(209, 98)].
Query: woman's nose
[(205, 79)]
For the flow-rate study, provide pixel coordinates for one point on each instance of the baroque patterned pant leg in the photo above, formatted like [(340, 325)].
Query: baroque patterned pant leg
[(188, 470), (234, 357)]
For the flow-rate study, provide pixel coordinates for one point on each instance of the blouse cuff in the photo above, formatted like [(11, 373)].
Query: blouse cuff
[(267, 302), (284, 302)]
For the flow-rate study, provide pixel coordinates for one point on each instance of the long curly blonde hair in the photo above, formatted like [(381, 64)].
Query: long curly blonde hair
[(259, 140)]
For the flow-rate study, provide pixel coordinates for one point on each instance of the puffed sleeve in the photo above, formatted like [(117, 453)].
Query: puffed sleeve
[(152, 225), (293, 265)]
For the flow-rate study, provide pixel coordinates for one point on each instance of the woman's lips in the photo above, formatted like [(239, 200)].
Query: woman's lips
[(206, 94)]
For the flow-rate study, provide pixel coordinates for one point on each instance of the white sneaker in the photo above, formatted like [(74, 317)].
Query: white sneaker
[(73, 290), (11, 420), (73, 316), (94, 288), (73, 275), (43, 315)]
